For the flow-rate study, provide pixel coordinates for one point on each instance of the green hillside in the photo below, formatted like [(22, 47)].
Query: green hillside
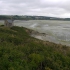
[(19, 51)]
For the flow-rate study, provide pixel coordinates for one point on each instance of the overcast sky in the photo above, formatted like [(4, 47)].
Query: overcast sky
[(55, 8)]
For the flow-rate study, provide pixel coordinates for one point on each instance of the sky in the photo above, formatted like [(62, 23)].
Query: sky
[(53, 8)]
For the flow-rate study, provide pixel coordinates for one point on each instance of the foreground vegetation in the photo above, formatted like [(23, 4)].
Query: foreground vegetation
[(19, 51)]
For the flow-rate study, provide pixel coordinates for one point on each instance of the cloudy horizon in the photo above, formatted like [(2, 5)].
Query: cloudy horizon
[(53, 8)]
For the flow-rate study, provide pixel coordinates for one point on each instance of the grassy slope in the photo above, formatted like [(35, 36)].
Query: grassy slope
[(19, 51)]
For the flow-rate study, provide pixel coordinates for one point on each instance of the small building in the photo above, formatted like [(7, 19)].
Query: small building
[(8, 23)]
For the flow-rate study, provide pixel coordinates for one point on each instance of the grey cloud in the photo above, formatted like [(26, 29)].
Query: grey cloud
[(57, 8)]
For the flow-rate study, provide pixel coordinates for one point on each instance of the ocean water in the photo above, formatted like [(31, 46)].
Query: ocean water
[(56, 31)]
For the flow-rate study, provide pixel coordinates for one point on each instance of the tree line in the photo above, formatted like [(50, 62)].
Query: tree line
[(26, 17)]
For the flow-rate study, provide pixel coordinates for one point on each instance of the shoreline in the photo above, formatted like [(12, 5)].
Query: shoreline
[(44, 37)]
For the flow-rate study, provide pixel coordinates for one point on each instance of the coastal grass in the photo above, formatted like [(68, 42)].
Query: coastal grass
[(20, 51)]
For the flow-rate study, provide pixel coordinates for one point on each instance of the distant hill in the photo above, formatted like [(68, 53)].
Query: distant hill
[(26, 17), (20, 51)]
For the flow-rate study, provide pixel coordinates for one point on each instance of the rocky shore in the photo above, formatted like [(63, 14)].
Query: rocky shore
[(45, 37), (33, 32)]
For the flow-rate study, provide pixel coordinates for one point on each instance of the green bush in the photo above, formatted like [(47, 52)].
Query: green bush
[(19, 51)]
